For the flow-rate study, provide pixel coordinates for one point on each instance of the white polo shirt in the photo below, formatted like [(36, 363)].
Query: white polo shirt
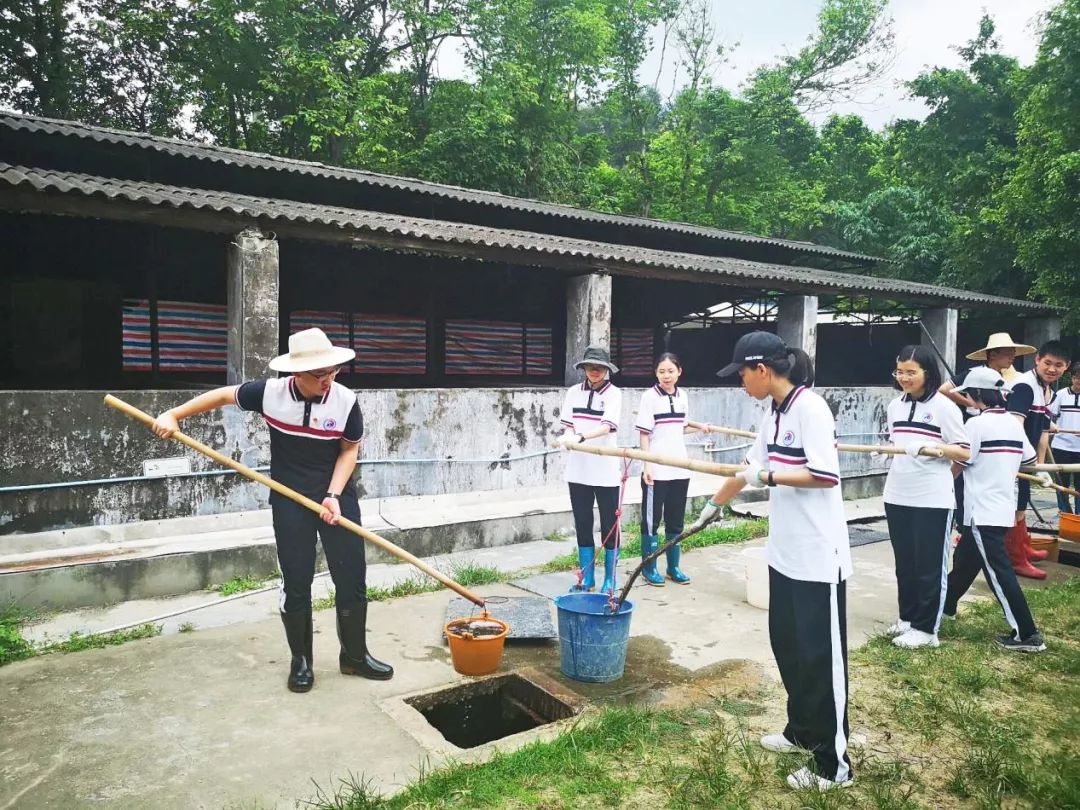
[(1029, 400), (1065, 410), (998, 447), (585, 410), (808, 536), (662, 417), (922, 481)]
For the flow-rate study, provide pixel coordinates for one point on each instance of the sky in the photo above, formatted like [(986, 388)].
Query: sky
[(925, 33)]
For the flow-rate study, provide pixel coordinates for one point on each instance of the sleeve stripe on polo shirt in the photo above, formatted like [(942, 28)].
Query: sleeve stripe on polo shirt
[(824, 475), (640, 429)]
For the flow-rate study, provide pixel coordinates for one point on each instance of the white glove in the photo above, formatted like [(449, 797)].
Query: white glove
[(567, 440), (914, 449), (749, 476), (710, 513), (1045, 479)]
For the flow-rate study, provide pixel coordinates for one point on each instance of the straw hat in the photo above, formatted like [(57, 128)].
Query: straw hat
[(310, 349), (1001, 340), (597, 355)]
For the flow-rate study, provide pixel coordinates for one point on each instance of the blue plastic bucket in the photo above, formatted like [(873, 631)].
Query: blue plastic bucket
[(592, 640)]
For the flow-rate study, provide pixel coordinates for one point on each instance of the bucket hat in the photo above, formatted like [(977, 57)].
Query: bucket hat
[(986, 378), (310, 349), (597, 355), (1001, 340)]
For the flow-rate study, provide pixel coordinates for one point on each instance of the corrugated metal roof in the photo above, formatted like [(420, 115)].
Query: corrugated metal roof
[(530, 248), (220, 154)]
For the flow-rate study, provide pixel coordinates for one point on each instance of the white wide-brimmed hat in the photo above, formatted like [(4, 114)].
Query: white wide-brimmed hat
[(309, 349), (1001, 340)]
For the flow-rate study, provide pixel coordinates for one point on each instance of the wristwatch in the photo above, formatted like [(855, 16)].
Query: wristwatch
[(330, 495)]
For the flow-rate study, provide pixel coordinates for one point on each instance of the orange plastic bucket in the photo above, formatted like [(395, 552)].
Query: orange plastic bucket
[(474, 654), (1069, 526)]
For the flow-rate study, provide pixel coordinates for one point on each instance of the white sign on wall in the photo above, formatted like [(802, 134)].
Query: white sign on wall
[(164, 467)]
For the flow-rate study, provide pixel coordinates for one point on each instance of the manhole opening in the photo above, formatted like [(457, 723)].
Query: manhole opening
[(477, 713)]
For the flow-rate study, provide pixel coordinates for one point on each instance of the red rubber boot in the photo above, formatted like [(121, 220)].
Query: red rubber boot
[(1014, 547), (1033, 554)]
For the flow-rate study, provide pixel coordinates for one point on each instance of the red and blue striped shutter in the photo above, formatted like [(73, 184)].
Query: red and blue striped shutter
[(136, 335), (191, 337), (390, 344), (483, 347), (538, 350), (634, 350)]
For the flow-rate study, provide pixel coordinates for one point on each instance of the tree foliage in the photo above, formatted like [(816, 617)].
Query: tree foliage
[(982, 193)]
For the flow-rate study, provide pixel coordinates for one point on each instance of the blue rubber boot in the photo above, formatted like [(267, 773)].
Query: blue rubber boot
[(608, 585), (586, 557), (649, 544), (675, 574)]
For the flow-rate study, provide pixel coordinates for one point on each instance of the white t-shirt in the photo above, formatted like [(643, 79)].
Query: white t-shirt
[(922, 481), (998, 447), (585, 410), (662, 417), (1065, 410), (808, 535)]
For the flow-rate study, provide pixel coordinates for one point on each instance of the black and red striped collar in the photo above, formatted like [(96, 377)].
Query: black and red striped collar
[(294, 392), (928, 394), (993, 410), (659, 389), (789, 400), (600, 390)]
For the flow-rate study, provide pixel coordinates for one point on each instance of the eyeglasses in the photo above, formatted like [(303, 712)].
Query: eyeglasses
[(906, 375), (323, 374)]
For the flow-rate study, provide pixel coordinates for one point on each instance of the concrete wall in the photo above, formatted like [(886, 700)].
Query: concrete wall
[(68, 436)]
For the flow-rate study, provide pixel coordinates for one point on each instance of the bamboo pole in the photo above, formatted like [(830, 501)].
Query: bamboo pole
[(1058, 487), (712, 468), (247, 472)]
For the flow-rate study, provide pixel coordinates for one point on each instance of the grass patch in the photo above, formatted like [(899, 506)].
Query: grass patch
[(13, 647), (467, 575), (965, 725), (739, 532), (247, 582), (77, 642)]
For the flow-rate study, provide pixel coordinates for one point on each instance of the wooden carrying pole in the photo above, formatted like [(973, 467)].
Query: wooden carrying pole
[(712, 468), (247, 472), (1057, 487), (891, 450)]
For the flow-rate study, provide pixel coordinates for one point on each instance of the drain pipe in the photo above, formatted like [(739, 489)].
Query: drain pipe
[(95, 482)]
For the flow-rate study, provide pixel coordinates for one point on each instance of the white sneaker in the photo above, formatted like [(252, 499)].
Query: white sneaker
[(806, 779), (778, 743), (898, 627), (915, 638)]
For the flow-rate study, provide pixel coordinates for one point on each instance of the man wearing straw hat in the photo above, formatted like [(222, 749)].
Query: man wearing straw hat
[(315, 431)]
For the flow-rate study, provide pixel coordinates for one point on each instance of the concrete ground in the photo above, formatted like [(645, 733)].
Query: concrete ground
[(203, 719)]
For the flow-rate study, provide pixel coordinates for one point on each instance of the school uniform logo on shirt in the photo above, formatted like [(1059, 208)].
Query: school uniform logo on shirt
[(788, 438), (928, 417)]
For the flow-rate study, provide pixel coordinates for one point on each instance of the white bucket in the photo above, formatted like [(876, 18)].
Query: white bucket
[(757, 577)]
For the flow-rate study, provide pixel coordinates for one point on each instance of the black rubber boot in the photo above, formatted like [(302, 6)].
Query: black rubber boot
[(298, 632), (352, 632)]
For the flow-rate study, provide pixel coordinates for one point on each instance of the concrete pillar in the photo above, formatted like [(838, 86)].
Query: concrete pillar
[(941, 324), (588, 318), (253, 305), (796, 322), (1036, 332)]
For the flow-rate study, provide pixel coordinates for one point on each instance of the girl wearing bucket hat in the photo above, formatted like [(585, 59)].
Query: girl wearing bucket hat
[(315, 431), (590, 413), (809, 553)]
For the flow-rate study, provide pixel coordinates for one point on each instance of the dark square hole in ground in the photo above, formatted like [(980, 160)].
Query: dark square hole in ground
[(482, 711)]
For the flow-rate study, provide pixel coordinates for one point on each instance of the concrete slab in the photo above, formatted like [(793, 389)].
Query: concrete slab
[(856, 510), (204, 720), (531, 618)]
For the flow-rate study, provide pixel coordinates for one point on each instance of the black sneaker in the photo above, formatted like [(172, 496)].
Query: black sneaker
[(1033, 643)]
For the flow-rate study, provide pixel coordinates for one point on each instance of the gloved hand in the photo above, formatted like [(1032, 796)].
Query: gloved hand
[(914, 449), (710, 513), (568, 439), (1045, 479), (749, 476)]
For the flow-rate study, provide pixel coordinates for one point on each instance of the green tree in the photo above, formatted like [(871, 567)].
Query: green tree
[(1042, 199)]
